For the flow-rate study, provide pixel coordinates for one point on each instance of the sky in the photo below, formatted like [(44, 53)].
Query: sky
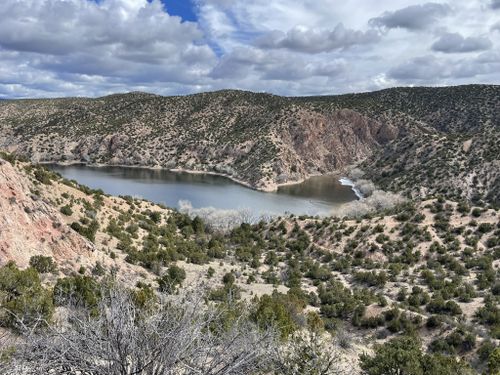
[(60, 48)]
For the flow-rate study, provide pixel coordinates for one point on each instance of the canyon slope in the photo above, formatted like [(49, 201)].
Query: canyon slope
[(30, 225), (420, 141), (425, 268)]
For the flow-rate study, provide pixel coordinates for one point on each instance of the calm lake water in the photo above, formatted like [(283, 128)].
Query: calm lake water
[(318, 195)]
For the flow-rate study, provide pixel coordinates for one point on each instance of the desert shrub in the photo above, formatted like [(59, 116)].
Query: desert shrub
[(77, 290), (144, 297), (458, 341), (98, 269), (463, 207), (494, 361), (155, 216), (124, 338), (11, 158), (476, 212), (173, 278), (66, 210), (403, 355), (439, 306), (24, 302), (489, 315), (86, 231), (43, 264), (371, 278), (278, 310), (44, 176), (398, 321)]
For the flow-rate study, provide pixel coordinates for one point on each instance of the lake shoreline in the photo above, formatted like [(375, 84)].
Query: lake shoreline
[(208, 191), (271, 188)]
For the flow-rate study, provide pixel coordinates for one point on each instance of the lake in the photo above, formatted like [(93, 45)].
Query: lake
[(317, 196)]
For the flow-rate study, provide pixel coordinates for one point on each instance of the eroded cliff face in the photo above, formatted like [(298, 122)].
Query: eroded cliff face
[(30, 226), (320, 143), (262, 146), (264, 140)]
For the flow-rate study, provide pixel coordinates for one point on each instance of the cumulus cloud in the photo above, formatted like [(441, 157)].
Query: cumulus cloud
[(421, 68), (426, 69), (456, 43), (302, 47), (133, 41), (303, 39), (62, 27), (274, 65), (495, 4), (415, 17)]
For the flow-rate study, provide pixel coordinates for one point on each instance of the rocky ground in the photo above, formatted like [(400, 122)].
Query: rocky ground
[(428, 268), (410, 139)]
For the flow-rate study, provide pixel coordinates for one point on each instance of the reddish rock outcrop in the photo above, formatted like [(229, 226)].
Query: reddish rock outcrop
[(29, 226)]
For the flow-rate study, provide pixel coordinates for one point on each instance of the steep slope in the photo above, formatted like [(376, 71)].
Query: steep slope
[(429, 268), (31, 226), (408, 137)]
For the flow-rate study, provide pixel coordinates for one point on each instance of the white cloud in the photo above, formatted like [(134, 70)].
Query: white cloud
[(127, 42), (415, 17), (428, 69), (290, 47), (456, 43), (302, 39)]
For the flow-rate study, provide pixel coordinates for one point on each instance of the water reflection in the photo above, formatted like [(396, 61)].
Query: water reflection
[(318, 195)]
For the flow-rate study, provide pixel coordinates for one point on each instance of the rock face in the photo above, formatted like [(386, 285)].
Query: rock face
[(263, 140), (256, 138), (29, 226), (324, 143)]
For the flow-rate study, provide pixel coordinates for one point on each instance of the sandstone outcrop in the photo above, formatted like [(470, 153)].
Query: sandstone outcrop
[(30, 226)]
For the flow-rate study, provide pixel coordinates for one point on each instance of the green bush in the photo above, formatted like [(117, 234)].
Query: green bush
[(43, 264), (494, 361), (279, 311), (403, 355), (43, 176), (78, 290), (173, 278), (66, 210), (86, 231), (23, 300)]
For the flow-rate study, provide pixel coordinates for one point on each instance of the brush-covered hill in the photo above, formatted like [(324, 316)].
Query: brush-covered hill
[(425, 269), (417, 140)]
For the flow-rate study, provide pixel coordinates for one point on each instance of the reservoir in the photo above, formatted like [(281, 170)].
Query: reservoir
[(316, 196)]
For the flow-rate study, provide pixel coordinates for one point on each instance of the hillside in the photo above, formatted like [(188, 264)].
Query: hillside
[(420, 141), (426, 268)]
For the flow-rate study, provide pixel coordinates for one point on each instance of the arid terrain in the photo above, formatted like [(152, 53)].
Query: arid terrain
[(427, 268), (411, 268), (418, 141)]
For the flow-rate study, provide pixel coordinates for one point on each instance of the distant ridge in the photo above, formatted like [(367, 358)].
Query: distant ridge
[(418, 140)]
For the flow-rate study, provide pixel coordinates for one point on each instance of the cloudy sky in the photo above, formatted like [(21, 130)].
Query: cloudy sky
[(51, 48)]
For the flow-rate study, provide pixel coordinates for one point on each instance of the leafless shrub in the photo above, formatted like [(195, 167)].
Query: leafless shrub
[(7, 345), (343, 339), (356, 173), (221, 219), (178, 337), (365, 187), (378, 201)]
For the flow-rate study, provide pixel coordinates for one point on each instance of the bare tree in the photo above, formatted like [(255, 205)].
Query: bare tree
[(176, 337)]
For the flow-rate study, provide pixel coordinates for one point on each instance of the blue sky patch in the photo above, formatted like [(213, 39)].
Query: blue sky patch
[(181, 8)]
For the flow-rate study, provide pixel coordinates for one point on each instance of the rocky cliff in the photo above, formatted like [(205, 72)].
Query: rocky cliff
[(30, 225), (265, 140)]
